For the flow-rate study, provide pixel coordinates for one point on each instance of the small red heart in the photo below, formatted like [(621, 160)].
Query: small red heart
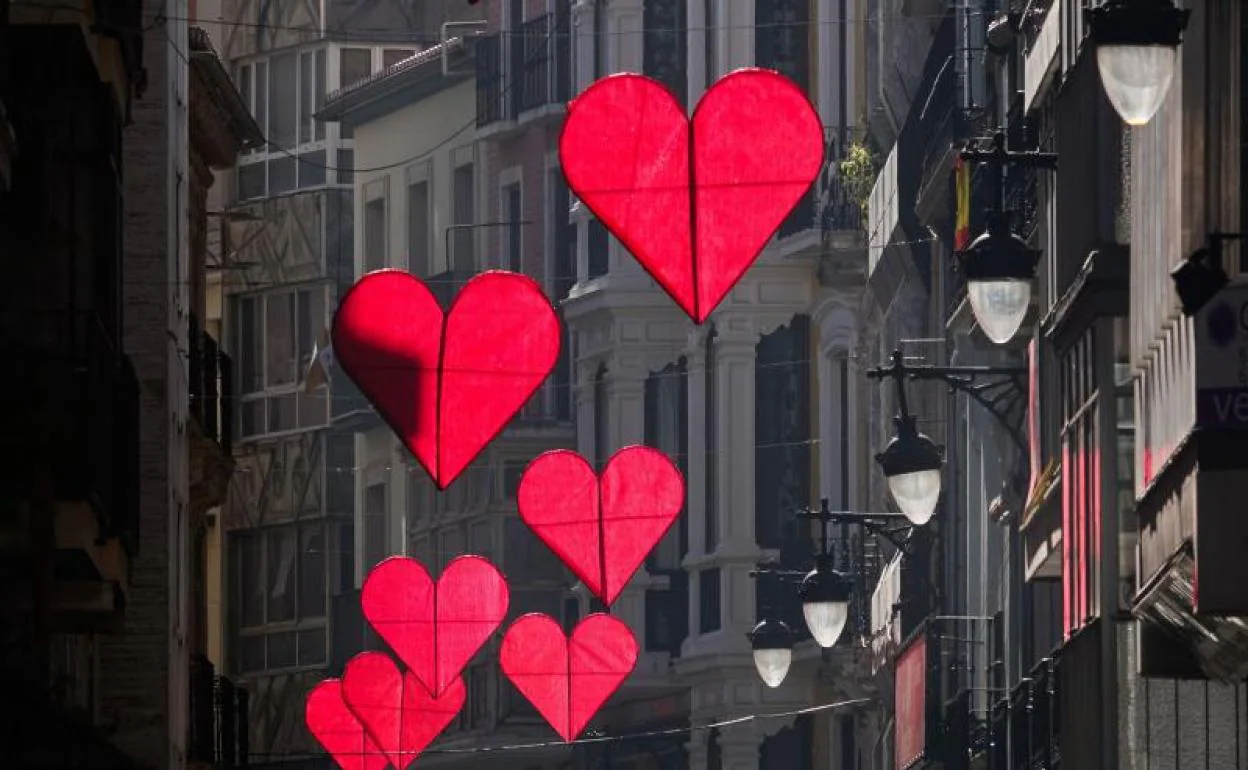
[(603, 529), (332, 723), (396, 709), (695, 219), (447, 384), (435, 628), (568, 679)]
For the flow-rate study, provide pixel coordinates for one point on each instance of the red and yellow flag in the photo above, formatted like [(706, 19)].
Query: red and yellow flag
[(962, 194)]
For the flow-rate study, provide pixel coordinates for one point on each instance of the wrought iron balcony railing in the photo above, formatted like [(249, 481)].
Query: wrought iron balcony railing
[(218, 719), (211, 387), (830, 206)]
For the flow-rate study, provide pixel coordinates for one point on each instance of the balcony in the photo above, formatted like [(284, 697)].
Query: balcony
[(211, 423), (830, 206), (525, 76), (217, 734), (78, 428)]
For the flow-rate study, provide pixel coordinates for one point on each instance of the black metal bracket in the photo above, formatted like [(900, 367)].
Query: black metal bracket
[(999, 389), (999, 156)]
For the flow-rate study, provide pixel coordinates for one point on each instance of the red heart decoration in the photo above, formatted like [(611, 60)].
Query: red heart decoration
[(695, 217), (447, 384), (568, 679), (398, 712), (603, 529), (336, 728), (435, 628)]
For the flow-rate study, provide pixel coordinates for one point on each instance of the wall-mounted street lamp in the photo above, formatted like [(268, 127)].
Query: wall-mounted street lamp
[(912, 462), (1137, 44), (1200, 276), (825, 592), (998, 266)]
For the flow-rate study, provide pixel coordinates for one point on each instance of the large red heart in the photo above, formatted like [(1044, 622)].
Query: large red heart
[(603, 529), (568, 679), (336, 728), (447, 384), (435, 628), (695, 201), (398, 712)]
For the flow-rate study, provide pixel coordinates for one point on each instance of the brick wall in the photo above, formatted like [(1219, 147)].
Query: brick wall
[(141, 692)]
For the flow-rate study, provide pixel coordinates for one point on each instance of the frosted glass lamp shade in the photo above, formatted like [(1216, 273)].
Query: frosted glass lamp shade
[(773, 665), (916, 494), (1000, 305), (1136, 78)]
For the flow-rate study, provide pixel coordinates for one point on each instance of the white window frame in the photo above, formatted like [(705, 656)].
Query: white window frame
[(267, 392)]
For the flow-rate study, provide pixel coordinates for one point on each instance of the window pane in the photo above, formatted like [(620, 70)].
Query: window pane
[(248, 346), (281, 578), (282, 650), (252, 653), (283, 87), (464, 259), (281, 173), (312, 572), (374, 525), (345, 165), (250, 581), (312, 647), (418, 229), (599, 249), (279, 337), (392, 56), (251, 180), (320, 90), (354, 64), (311, 322), (512, 216), (344, 558), (262, 98), (282, 413), (312, 169), (305, 97), (244, 87), (375, 234)]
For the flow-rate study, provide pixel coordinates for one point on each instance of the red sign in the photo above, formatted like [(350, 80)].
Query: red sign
[(910, 705)]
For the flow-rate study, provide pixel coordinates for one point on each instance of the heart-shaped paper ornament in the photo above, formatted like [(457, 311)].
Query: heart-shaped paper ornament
[(695, 201), (336, 728), (435, 627), (446, 383), (602, 528), (398, 713), (567, 679)]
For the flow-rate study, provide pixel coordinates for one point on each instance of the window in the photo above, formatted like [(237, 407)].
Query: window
[(601, 412), (354, 64), (782, 435), (664, 57), (600, 38), (464, 259), (1081, 482), (599, 249), (711, 56), (418, 240), (375, 220), (513, 250), (275, 333), (284, 93), (709, 601), (279, 580), (375, 548), (782, 38), (392, 56), (667, 429)]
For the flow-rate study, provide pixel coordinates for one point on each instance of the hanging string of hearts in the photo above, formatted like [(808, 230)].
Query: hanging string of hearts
[(695, 200)]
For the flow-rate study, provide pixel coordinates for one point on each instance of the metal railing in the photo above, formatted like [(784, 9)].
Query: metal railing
[(489, 52), (534, 78), (532, 69), (829, 206), (217, 732), (211, 386)]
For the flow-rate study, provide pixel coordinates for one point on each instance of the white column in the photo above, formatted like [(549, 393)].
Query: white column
[(583, 30), (625, 34)]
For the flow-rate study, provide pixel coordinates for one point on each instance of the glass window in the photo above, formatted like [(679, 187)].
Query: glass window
[(319, 95), (307, 85), (279, 339), (374, 525), (599, 248), (251, 378), (311, 322), (244, 87), (375, 234), (312, 572), (512, 216), (250, 580), (345, 166), (464, 192), (392, 56), (281, 575), (418, 229), (354, 64), (262, 99), (283, 91)]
